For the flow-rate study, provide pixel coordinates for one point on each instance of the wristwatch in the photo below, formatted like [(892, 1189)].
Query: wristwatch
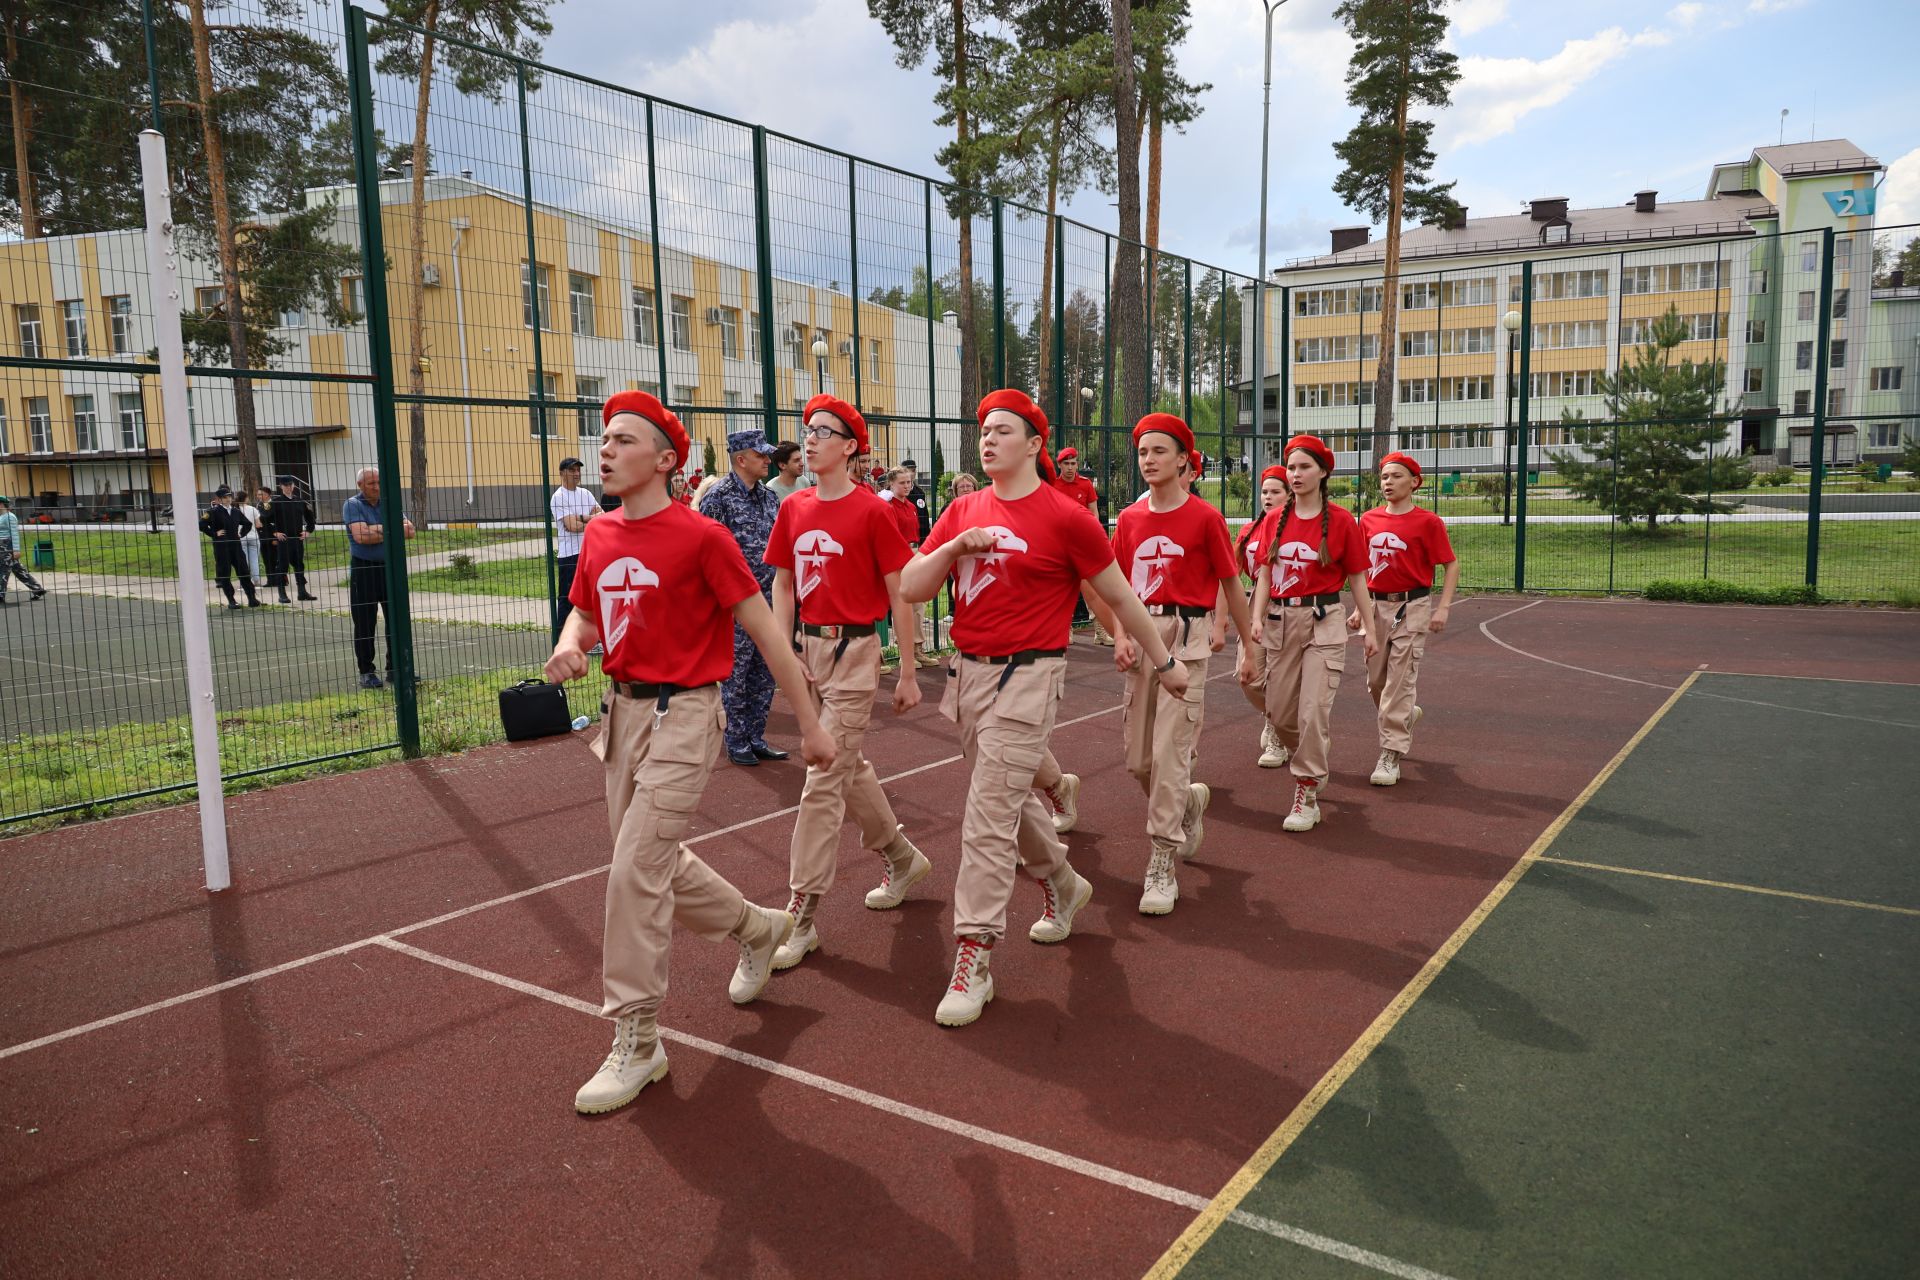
[(1167, 665)]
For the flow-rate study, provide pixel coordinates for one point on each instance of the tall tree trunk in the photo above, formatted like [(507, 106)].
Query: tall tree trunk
[(417, 281), (248, 441), (1153, 188), (1383, 384), (1129, 314), (22, 140), (1043, 374), (969, 338)]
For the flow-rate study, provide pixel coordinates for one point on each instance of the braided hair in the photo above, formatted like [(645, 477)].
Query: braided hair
[(1286, 514)]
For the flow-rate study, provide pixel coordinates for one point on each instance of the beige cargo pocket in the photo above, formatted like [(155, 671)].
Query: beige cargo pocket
[(669, 813), (1021, 763), (950, 693), (1027, 696)]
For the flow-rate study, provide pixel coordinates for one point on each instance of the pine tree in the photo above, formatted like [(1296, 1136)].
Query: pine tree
[(1656, 457), (1128, 315), (1398, 65)]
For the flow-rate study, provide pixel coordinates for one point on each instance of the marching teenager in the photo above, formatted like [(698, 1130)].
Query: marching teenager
[(1246, 549), (1018, 551), (1404, 544), (837, 551), (1179, 559), (1311, 547), (660, 588)]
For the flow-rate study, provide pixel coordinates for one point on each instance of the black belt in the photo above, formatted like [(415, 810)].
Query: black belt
[(1392, 597), (1306, 602), (1014, 661), (840, 630), (660, 693), (1179, 610)]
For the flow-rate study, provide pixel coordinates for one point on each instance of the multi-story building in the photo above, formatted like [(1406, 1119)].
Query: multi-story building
[(1742, 267), (86, 431)]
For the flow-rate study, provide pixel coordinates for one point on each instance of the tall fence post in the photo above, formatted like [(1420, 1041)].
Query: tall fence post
[(853, 261), (763, 260), (366, 164), (1817, 457), (999, 297), (166, 293), (541, 416), (1059, 233), (1283, 376), (659, 274), (1526, 407), (1186, 340)]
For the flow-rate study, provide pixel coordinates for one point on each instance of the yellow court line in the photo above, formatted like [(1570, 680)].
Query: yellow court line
[(1201, 1229), (1742, 888)]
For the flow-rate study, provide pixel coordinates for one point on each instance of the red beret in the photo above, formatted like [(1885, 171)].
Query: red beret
[(1165, 424), (1068, 454), (849, 418), (1405, 460), (646, 406), (1199, 461), (1018, 403), (1315, 446), (1274, 473)]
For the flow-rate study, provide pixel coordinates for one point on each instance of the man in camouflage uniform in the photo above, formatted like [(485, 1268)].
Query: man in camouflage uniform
[(747, 507)]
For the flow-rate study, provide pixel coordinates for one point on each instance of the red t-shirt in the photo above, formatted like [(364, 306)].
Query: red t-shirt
[(1177, 556), (1402, 550), (1080, 489), (662, 590), (840, 554), (1246, 548), (1020, 595), (1298, 571), (905, 517)]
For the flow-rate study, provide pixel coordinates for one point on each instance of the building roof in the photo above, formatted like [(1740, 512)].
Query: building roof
[(1833, 155), (1611, 225)]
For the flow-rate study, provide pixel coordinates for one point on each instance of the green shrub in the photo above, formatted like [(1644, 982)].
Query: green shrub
[(462, 566), (1489, 488), (1713, 591), (1239, 489)]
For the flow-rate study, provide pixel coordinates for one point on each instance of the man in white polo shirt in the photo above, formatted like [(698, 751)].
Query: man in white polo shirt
[(572, 507)]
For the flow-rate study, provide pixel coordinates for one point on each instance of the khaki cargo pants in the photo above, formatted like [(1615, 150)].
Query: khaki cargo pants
[(1305, 658), (1161, 730), (656, 769), (1006, 826), (843, 693), (1392, 671)]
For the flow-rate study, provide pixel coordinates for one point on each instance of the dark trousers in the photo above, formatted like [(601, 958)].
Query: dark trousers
[(10, 564), (281, 556), (229, 557), (561, 605), (367, 592)]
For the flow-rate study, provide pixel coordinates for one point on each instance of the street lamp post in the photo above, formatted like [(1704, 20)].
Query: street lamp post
[(819, 349), (1260, 281), (1511, 323)]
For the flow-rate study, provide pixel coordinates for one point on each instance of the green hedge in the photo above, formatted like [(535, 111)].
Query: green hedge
[(1713, 591)]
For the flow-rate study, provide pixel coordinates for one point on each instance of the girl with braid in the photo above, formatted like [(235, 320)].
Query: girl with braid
[(1308, 547)]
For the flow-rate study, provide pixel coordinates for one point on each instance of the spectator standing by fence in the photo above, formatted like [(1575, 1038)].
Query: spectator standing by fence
[(250, 542), (10, 549), (225, 524), (571, 507), (789, 470), (747, 507), (289, 523), (367, 572)]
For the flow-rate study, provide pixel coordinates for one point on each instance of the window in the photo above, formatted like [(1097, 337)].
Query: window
[(86, 425), (1805, 311), (1809, 255), (120, 323), (1562, 284), (1413, 440), (39, 425), (1316, 396), (1477, 292), (1756, 378), (1841, 297), (873, 360), (1636, 280), (536, 296), (1837, 353), (1676, 277), (547, 387), (1370, 347), (353, 296), (293, 318), (1842, 253), (1570, 333), (73, 317), (1803, 355), (1370, 298), (1836, 402), (796, 340), (580, 304), (1421, 342), (753, 337), (646, 323), (1885, 435), (209, 298), (1571, 382), (1886, 378), (133, 419), (1466, 342), (1757, 281), (736, 421), (1556, 233), (1322, 302), (27, 320), (1419, 297), (1416, 390), (729, 333), (1477, 386), (680, 320), (590, 395), (1704, 327), (1803, 402), (1756, 332)]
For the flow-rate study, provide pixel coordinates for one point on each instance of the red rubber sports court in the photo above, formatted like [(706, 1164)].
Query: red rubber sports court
[(1618, 981)]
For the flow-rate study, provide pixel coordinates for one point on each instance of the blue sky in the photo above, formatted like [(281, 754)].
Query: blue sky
[(1587, 100)]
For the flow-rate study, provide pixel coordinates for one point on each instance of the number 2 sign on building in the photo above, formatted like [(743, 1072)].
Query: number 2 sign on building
[(1852, 204)]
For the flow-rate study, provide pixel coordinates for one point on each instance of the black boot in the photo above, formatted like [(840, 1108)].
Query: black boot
[(304, 593), (283, 596), (231, 602)]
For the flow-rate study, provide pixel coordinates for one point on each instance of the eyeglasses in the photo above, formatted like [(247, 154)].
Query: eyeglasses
[(825, 433)]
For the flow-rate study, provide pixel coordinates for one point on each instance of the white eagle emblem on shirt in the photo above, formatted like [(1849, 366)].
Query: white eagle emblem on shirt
[(811, 552), (1152, 560), (1291, 565), (621, 586), (1380, 552), (978, 572)]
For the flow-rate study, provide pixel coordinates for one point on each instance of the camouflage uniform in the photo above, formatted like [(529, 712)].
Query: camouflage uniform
[(747, 694)]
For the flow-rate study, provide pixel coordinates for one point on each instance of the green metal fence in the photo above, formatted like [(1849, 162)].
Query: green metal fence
[(572, 238)]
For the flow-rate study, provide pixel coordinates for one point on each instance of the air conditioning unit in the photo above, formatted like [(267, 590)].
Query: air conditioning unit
[(430, 273), (846, 348), (713, 315)]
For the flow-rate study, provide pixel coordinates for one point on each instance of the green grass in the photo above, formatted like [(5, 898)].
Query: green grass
[(523, 576), (137, 552), (54, 770)]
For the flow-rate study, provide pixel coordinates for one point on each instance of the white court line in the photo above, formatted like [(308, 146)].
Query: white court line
[(947, 1124), (85, 671), (1605, 675), (171, 1001)]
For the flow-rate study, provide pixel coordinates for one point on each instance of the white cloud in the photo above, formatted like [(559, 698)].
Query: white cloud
[(1899, 201), (1464, 17), (1686, 15), (1773, 6), (1495, 94)]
